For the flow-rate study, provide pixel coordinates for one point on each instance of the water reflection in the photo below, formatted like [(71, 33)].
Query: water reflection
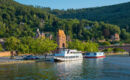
[(97, 63), (69, 70), (87, 69), (92, 69), (32, 71)]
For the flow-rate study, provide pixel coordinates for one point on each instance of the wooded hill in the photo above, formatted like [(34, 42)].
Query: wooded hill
[(115, 14), (20, 21)]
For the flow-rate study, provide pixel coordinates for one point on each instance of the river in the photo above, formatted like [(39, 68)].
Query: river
[(109, 68)]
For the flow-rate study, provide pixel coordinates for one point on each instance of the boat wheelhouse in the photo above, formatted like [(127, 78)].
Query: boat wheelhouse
[(67, 55), (94, 55)]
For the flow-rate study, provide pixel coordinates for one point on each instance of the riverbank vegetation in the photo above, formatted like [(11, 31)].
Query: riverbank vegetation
[(83, 46), (115, 50), (41, 46), (30, 45)]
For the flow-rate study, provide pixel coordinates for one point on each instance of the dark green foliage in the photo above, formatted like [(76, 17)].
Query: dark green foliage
[(105, 43), (12, 44), (118, 50), (19, 20), (127, 41), (108, 50), (114, 50), (1, 47), (115, 14), (125, 35)]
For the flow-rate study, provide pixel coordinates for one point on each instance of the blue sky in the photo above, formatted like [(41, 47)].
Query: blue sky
[(66, 4)]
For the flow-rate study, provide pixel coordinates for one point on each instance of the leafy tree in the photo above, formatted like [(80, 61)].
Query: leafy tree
[(1, 47), (12, 43), (83, 46), (125, 35), (76, 44), (91, 47), (36, 46)]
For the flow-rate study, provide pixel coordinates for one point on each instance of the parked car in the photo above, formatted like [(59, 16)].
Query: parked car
[(30, 57)]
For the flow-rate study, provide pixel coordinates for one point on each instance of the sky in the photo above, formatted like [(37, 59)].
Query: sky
[(67, 4)]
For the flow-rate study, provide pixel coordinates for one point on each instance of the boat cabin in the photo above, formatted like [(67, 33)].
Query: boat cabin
[(94, 55)]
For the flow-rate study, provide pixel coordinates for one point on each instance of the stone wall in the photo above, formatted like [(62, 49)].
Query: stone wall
[(5, 54)]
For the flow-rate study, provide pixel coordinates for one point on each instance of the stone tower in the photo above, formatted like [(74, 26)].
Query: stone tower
[(61, 39)]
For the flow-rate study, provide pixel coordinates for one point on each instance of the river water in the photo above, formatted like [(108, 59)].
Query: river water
[(110, 68)]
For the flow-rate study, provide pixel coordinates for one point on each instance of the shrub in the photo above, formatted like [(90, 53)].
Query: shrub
[(105, 43), (108, 50), (118, 50)]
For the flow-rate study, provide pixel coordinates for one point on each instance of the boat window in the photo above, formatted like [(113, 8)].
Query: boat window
[(87, 53), (68, 51), (94, 53)]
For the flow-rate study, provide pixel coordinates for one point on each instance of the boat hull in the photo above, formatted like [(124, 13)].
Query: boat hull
[(64, 59), (95, 56)]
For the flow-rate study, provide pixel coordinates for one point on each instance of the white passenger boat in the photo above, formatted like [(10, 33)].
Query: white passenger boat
[(94, 55), (68, 55)]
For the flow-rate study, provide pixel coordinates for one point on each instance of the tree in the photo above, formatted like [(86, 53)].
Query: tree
[(91, 47), (36, 46), (12, 43), (83, 46), (1, 47), (76, 44), (125, 35)]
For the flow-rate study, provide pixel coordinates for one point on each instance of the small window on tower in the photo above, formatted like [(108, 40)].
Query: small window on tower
[(63, 45)]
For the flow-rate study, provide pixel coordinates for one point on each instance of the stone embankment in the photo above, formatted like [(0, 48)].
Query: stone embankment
[(5, 58), (5, 54)]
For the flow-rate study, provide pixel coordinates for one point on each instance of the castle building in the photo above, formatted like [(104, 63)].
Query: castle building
[(40, 35), (115, 37), (61, 39), (44, 35)]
